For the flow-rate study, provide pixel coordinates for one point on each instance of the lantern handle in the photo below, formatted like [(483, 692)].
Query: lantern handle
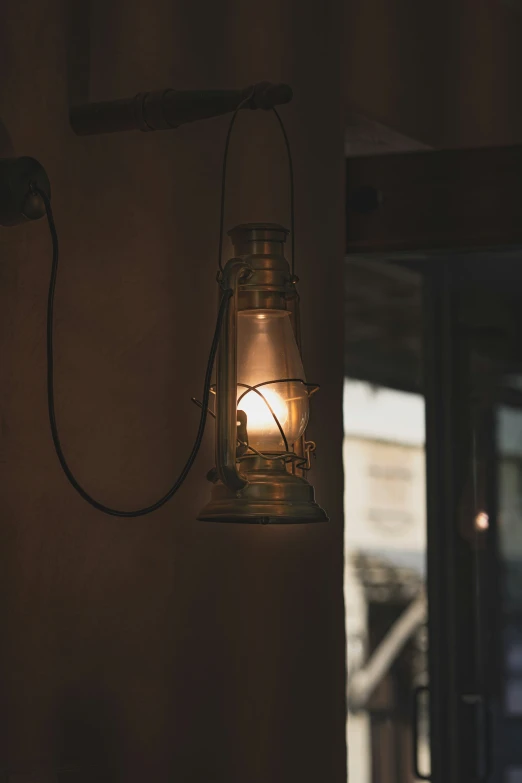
[(226, 382), (168, 109)]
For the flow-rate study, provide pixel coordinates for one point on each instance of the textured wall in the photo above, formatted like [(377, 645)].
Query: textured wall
[(445, 72), (161, 648)]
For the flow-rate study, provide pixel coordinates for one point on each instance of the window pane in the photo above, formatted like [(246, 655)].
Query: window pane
[(385, 527)]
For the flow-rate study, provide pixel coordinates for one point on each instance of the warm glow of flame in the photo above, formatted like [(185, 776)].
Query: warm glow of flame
[(482, 521), (259, 416)]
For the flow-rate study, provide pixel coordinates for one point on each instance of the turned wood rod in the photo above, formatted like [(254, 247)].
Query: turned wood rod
[(167, 109)]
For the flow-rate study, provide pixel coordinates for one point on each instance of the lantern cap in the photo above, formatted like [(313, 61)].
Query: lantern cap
[(258, 232)]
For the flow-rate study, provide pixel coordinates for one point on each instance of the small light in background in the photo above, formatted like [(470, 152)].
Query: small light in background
[(482, 521)]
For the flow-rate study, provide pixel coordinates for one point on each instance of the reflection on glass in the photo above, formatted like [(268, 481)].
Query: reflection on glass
[(385, 547), (423, 728), (509, 435), (482, 521)]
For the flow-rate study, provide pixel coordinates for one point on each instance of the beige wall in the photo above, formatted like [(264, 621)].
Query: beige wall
[(445, 72), (385, 516), (161, 648), (385, 505)]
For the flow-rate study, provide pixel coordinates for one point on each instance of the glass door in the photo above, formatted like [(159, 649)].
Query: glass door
[(385, 530), (433, 506), (445, 325), (473, 383)]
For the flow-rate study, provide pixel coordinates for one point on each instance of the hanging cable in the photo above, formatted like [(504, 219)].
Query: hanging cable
[(50, 388)]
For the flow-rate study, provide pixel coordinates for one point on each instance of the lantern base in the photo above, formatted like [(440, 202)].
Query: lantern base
[(271, 497)]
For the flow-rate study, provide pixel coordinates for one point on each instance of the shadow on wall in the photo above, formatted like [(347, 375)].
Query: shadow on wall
[(78, 52), (89, 721), (6, 145)]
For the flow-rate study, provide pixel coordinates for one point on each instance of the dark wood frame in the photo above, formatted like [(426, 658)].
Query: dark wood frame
[(434, 200), (429, 204)]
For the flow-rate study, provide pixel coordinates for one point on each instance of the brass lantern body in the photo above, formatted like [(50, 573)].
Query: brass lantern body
[(250, 486)]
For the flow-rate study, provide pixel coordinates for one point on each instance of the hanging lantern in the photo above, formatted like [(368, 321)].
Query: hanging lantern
[(261, 393)]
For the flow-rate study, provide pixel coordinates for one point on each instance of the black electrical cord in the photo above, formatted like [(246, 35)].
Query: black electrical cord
[(50, 388)]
